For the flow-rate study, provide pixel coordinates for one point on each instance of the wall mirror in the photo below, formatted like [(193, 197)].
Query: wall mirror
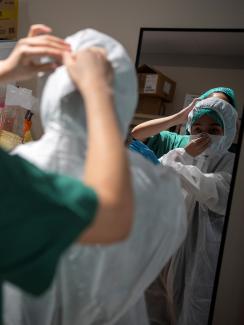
[(198, 60)]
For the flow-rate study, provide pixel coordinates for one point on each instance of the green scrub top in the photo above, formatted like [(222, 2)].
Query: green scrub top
[(165, 141), (41, 214)]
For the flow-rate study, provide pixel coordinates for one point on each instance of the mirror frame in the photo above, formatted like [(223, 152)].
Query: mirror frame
[(221, 305)]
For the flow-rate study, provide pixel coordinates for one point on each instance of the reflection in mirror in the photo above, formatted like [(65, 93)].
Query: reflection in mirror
[(174, 67)]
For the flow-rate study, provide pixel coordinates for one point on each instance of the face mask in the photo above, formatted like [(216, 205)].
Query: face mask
[(216, 146)]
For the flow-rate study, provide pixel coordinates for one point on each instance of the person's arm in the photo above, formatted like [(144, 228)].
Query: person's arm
[(152, 127), (109, 176), (23, 62)]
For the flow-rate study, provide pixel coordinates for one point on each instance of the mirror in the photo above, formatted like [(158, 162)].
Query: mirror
[(196, 60)]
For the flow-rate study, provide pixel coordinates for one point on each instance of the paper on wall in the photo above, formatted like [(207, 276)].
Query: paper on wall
[(18, 97)]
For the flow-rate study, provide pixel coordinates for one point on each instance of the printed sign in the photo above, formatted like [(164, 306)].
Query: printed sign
[(151, 84), (8, 19)]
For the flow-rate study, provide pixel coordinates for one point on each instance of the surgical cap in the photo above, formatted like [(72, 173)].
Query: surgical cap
[(227, 91), (209, 112)]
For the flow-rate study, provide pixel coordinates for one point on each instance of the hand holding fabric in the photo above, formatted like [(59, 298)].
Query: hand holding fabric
[(23, 63), (89, 68), (198, 145), (185, 111)]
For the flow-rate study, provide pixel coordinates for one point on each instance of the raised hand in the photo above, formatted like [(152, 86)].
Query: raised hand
[(89, 68), (198, 145), (24, 61), (185, 111)]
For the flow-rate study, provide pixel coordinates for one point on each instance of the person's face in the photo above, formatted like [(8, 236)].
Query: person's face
[(206, 124), (220, 96)]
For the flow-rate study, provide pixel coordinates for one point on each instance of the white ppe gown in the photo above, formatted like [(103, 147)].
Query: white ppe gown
[(205, 181), (98, 285)]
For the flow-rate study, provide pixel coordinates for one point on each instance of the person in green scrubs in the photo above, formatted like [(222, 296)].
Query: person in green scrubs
[(41, 214), (160, 141)]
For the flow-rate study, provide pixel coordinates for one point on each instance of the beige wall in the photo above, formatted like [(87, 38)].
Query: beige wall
[(123, 19), (196, 80)]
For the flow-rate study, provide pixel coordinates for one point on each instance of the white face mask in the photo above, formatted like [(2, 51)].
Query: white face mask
[(216, 146)]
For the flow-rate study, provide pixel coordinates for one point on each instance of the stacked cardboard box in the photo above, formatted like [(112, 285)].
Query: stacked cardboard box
[(155, 89)]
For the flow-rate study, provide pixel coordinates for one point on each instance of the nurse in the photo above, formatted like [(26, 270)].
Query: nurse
[(101, 285), (41, 214), (205, 168)]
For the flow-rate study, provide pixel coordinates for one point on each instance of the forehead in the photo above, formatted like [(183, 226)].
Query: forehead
[(220, 96)]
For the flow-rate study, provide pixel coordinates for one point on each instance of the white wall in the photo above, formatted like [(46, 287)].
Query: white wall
[(197, 80), (123, 19)]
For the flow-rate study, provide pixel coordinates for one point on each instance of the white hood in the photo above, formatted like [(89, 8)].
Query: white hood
[(62, 106), (226, 112)]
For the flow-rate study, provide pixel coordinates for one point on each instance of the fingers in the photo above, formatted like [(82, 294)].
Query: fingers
[(30, 53), (99, 51), (38, 29), (89, 66), (46, 40), (198, 145), (192, 104), (48, 67), (93, 54), (195, 100), (201, 143), (202, 140), (204, 143), (68, 58)]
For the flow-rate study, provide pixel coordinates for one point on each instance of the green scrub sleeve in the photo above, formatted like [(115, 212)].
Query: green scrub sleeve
[(165, 141), (41, 214)]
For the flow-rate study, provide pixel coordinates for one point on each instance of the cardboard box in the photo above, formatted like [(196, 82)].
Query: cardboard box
[(155, 84), (8, 19), (150, 105)]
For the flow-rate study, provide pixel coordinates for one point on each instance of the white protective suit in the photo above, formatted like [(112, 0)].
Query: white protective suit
[(101, 285), (206, 182)]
